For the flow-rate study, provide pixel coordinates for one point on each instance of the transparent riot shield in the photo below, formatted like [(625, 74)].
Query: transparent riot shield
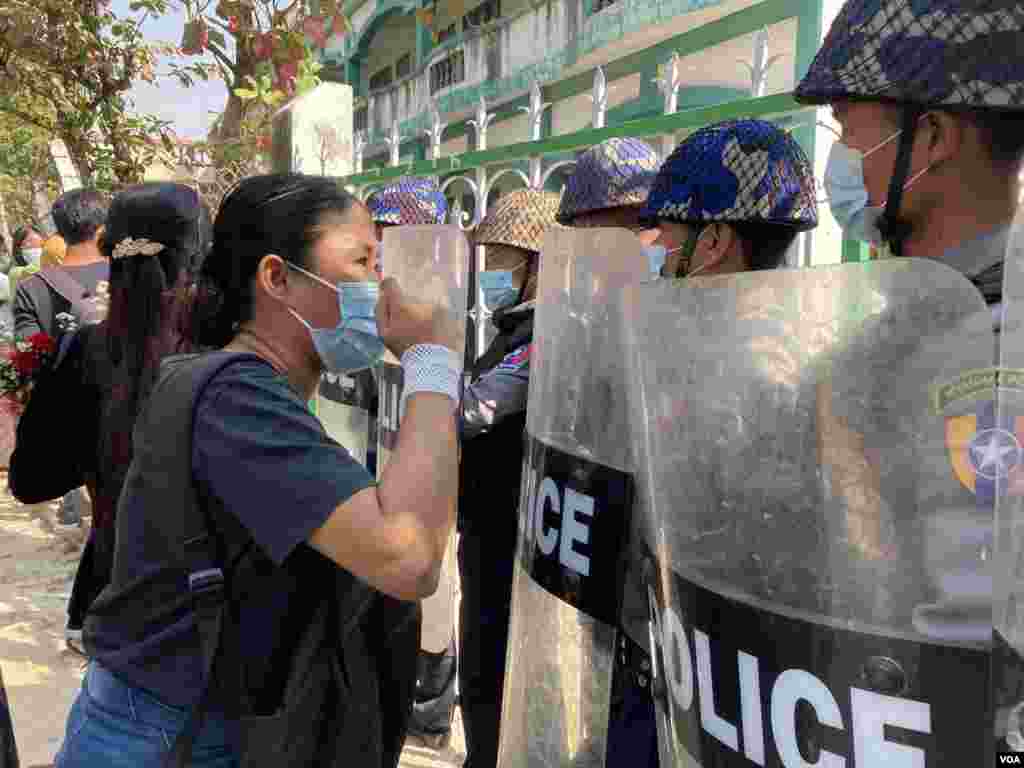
[(813, 467), (430, 263), (577, 491), (346, 406), (1008, 613)]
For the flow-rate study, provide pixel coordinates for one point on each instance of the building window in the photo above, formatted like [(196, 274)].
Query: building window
[(361, 119), (446, 33), (381, 79), (600, 5), (484, 13), (448, 72), (403, 67)]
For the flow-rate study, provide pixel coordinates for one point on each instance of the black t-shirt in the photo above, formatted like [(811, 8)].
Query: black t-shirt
[(36, 305), (267, 459)]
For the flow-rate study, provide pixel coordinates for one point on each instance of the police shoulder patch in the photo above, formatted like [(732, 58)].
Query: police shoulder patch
[(516, 360)]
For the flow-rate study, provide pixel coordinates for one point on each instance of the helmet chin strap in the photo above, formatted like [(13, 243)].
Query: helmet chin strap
[(893, 228)]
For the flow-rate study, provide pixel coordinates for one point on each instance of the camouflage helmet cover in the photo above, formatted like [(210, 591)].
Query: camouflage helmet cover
[(931, 53), (408, 201), (519, 219), (736, 171), (615, 173)]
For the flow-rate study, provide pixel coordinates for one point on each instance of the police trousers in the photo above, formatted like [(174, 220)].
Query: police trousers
[(485, 566)]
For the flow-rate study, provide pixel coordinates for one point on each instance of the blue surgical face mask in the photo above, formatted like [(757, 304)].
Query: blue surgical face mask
[(848, 194), (354, 344), (658, 254), (498, 287)]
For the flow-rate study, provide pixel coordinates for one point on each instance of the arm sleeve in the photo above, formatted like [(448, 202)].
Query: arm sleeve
[(27, 312), (499, 393), (258, 449)]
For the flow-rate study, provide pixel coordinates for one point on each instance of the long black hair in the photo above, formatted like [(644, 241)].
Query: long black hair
[(147, 291), (147, 298), (282, 214)]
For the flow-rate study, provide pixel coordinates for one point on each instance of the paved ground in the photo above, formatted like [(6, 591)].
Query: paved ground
[(37, 562)]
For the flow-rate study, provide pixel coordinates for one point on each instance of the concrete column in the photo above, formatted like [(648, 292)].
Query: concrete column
[(66, 171), (313, 134)]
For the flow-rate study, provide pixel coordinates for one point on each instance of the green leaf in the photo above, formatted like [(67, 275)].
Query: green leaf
[(217, 38)]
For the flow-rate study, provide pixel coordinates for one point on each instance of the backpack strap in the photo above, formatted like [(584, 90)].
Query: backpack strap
[(166, 426), (63, 284)]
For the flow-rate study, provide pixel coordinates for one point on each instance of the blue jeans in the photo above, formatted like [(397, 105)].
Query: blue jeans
[(115, 725)]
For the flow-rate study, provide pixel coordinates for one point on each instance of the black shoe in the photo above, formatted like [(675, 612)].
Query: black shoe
[(69, 509), (74, 642)]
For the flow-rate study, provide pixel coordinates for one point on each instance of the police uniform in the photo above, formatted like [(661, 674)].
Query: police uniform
[(615, 174), (940, 56), (492, 427)]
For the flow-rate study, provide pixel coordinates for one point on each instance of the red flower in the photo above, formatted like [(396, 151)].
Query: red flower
[(315, 30), (263, 46), (25, 363), (42, 343), (286, 74), (233, 24)]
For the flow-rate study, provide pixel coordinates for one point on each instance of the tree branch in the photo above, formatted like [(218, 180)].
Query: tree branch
[(225, 62), (25, 117), (218, 23)]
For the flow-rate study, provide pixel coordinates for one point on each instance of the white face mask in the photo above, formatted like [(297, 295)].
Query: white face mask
[(847, 192)]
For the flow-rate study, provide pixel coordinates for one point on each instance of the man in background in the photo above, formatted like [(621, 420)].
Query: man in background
[(67, 290)]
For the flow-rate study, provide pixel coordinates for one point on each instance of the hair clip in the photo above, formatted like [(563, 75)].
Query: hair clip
[(136, 247)]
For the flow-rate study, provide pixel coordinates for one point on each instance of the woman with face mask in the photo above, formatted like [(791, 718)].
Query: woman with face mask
[(27, 247), (28, 257), (493, 419), (253, 553)]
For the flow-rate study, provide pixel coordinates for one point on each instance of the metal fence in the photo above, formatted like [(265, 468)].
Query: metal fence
[(530, 161)]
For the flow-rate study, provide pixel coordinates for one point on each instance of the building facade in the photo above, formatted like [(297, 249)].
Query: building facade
[(426, 74)]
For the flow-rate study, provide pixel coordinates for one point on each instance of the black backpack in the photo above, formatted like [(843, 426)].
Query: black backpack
[(347, 697), (83, 307)]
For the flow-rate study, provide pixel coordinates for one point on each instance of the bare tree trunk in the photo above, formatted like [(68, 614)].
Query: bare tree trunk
[(230, 126), (5, 229), (41, 205)]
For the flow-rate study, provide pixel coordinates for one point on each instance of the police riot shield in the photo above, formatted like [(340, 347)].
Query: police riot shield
[(574, 508), (346, 406), (431, 264), (815, 460), (1008, 610)]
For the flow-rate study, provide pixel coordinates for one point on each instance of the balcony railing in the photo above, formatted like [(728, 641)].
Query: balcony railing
[(450, 71)]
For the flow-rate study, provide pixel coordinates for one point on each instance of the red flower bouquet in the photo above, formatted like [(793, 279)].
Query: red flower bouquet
[(23, 362)]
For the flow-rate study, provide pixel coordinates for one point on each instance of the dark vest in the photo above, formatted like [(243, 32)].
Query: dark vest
[(492, 462)]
